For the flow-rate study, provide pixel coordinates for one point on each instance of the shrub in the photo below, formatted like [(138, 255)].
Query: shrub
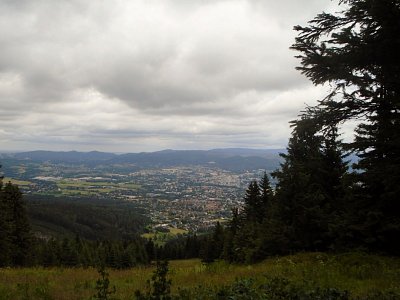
[(103, 285)]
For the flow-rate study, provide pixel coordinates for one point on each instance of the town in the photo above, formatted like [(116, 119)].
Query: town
[(189, 198)]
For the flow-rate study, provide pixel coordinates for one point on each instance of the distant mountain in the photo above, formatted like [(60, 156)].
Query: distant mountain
[(228, 159), (266, 153), (68, 157), (233, 159)]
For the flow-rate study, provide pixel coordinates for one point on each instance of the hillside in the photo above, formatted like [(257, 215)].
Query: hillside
[(90, 219), (302, 276)]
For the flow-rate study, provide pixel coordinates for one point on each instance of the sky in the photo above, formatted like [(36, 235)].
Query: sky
[(147, 75)]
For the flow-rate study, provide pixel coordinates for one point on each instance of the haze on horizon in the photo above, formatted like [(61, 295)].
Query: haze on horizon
[(147, 75)]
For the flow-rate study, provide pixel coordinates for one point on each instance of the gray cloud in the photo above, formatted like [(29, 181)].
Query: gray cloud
[(175, 73)]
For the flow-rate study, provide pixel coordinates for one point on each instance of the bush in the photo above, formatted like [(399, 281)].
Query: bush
[(104, 291), (159, 287)]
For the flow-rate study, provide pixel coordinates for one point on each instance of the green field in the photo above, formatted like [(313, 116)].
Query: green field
[(160, 238), (17, 182), (81, 187), (358, 273), (176, 231)]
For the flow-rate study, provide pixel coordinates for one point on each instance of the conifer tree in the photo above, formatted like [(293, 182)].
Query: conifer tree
[(357, 51), (252, 202), (69, 255), (218, 240), (266, 196), (228, 252), (150, 249), (212, 248), (192, 246), (265, 188), (245, 234), (18, 224), (5, 230), (305, 197)]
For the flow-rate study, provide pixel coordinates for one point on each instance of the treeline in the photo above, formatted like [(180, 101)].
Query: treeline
[(77, 252), (20, 247), (181, 247)]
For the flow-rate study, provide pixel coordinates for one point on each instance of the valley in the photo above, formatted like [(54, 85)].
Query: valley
[(177, 195)]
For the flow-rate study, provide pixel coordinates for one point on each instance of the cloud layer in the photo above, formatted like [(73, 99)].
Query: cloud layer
[(146, 75)]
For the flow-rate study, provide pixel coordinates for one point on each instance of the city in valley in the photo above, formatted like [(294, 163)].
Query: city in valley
[(182, 198)]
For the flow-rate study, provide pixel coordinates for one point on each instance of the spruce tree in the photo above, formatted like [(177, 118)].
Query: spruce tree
[(5, 229), (69, 255), (309, 183), (150, 249), (245, 230), (266, 196), (252, 202), (17, 223), (228, 252), (265, 189), (212, 247), (377, 210), (357, 51)]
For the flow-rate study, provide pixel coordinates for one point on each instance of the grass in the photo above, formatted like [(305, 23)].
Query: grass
[(359, 273), (80, 187), (100, 184), (160, 238), (176, 231), (20, 169), (17, 182)]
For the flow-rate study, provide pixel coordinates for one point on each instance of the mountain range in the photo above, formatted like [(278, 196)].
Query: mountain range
[(233, 159)]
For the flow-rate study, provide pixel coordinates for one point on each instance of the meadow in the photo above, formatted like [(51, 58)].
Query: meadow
[(82, 187), (17, 182), (74, 187), (364, 276), (160, 238)]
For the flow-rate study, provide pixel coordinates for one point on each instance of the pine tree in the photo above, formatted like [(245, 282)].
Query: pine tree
[(19, 234), (356, 52), (192, 247), (305, 198), (212, 246), (50, 253), (252, 202), (218, 240), (150, 249), (377, 221), (243, 236), (69, 255), (265, 188), (266, 196), (5, 229), (103, 288), (228, 252)]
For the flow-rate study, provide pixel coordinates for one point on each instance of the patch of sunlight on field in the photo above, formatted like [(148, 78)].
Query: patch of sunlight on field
[(160, 238), (176, 231), (81, 187), (17, 182)]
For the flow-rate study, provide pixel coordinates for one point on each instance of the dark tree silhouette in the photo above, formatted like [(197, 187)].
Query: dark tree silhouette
[(357, 51)]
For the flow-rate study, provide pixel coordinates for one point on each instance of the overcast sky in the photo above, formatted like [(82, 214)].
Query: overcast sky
[(145, 75)]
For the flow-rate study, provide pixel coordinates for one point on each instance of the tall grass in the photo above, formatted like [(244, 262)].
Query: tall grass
[(359, 273)]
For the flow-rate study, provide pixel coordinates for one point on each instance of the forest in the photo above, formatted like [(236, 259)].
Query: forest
[(322, 203)]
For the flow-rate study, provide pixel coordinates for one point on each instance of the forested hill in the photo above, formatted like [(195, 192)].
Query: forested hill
[(234, 159), (64, 156), (101, 219)]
